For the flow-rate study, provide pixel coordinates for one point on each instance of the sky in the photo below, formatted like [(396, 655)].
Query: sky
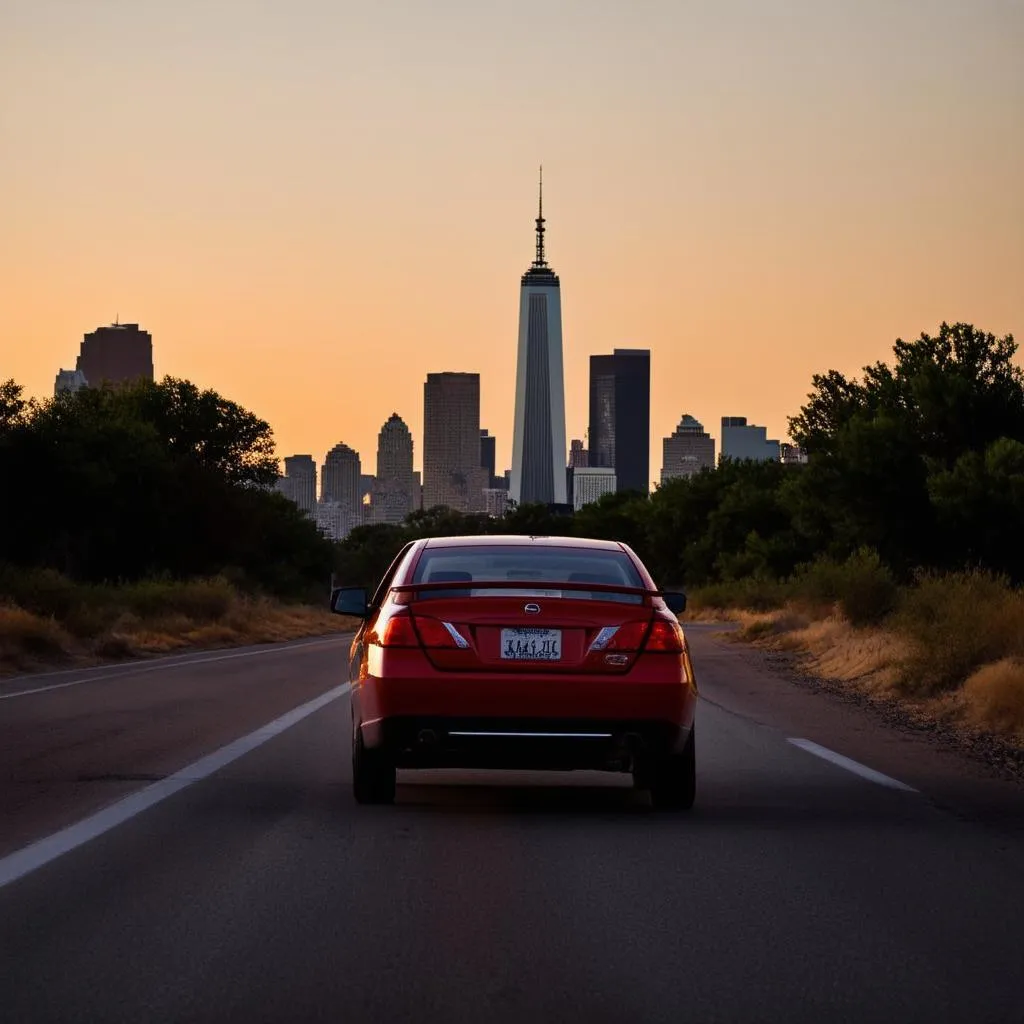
[(312, 204)]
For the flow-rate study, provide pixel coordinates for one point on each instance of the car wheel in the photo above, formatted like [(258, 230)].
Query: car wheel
[(673, 779), (373, 774)]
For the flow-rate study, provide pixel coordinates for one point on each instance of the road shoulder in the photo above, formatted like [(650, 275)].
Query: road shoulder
[(767, 688)]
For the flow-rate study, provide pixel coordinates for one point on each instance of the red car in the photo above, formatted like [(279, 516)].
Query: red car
[(520, 652)]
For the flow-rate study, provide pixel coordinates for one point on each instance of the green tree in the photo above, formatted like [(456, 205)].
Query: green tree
[(875, 443), (119, 484), (12, 404), (212, 431), (979, 505), (620, 516)]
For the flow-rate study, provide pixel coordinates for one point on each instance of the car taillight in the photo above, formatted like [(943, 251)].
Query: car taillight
[(619, 639), (397, 632), (439, 635), (665, 636)]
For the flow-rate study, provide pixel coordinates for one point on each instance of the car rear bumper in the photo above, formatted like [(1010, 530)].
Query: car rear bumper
[(431, 741)]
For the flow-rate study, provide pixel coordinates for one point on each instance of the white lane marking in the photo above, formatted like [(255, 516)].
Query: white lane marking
[(140, 668), (851, 766), (18, 864)]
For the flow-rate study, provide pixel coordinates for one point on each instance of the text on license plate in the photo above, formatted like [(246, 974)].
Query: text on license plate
[(531, 644)]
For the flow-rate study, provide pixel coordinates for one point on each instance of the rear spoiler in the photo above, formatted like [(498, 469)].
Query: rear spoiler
[(603, 588)]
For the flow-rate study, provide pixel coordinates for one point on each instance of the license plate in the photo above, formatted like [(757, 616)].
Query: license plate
[(531, 644)]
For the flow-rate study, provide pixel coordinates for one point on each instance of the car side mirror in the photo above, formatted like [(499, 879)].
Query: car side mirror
[(349, 601), (676, 601)]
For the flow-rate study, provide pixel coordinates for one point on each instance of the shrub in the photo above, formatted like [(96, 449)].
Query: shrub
[(957, 623), (202, 600), (863, 587), (114, 646), (23, 633), (753, 593), (41, 591), (994, 697)]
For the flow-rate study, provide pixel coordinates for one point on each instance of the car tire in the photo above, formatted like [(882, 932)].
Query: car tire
[(373, 774), (673, 779)]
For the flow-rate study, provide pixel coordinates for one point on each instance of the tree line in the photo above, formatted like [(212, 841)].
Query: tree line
[(160, 479), (920, 461)]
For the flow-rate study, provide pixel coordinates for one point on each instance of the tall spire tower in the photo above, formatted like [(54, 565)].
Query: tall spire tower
[(538, 439)]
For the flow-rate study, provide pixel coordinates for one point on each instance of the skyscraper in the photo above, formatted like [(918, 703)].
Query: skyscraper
[(340, 482), (687, 451), (69, 380), (538, 440), (620, 416), (590, 483), (299, 481), (488, 455), (394, 490), (117, 354), (452, 474), (741, 441), (579, 457)]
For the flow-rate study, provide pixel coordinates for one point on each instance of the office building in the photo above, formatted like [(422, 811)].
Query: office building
[(452, 474), (792, 454), (495, 501), (394, 493), (538, 439), (687, 451), (69, 381), (330, 519), (620, 416), (341, 483), (488, 456), (116, 354), (299, 481), (590, 483), (579, 457), (741, 441)]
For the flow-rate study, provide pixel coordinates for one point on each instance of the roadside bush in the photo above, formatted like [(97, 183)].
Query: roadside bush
[(957, 623), (993, 698), (25, 636), (204, 600), (753, 593), (90, 618), (41, 591), (862, 587)]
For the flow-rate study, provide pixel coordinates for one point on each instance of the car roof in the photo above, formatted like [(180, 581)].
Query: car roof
[(517, 540)]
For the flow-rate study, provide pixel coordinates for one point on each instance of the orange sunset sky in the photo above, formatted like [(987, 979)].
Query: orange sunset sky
[(311, 205)]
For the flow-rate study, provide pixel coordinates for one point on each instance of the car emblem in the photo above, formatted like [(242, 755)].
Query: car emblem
[(531, 608)]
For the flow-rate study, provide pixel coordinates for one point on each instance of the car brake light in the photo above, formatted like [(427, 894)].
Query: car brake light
[(435, 633), (665, 636), (627, 637), (398, 632)]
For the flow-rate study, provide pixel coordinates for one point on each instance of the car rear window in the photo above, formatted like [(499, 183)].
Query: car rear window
[(548, 566)]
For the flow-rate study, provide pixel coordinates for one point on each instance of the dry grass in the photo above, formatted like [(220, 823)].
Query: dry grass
[(904, 662), (993, 699), (868, 658), (30, 641), (26, 639), (706, 614)]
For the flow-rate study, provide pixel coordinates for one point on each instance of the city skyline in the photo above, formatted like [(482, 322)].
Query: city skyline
[(754, 194)]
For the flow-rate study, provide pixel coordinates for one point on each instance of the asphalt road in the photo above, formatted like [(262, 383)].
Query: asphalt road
[(254, 889)]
